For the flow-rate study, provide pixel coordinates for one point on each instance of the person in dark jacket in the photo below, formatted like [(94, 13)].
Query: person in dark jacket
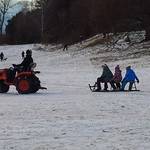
[(130, 77), (1, 56), (117, 77), (65, 47), (26, 63), (106, 77), (23, 54)]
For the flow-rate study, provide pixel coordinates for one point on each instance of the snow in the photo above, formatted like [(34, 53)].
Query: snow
[(67, 116)]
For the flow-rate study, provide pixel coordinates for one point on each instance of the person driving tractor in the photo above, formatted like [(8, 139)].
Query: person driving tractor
[(22, 76), (26, 63)]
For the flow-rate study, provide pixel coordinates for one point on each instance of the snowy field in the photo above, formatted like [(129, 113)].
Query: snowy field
[(68, 116)]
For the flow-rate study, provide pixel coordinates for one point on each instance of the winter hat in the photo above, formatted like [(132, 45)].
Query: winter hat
[(28, 52), (128, 67), (103, 66), (117, 67)]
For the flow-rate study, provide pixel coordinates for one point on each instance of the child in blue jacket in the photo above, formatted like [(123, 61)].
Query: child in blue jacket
[(130, 77)]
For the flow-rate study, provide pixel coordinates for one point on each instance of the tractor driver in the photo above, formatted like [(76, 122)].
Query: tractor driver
[(26, 63)]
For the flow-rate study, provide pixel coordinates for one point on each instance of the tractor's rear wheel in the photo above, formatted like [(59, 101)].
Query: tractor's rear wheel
[(26, 85), (35, 84), (23, 86), (4, 88)]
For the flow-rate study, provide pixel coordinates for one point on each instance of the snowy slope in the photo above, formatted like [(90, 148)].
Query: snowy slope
[(68, 116)]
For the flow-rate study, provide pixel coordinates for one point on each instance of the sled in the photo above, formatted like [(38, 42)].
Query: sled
[(4, 59), (117, 91), (93, 89)]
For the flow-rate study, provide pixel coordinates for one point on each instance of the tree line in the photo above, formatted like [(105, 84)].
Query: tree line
[(69, 21)]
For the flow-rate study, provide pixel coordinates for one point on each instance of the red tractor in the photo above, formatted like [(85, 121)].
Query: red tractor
[(25, 81)]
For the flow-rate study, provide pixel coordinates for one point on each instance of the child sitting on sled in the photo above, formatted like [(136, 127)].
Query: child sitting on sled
[(117, 77), (106, 77), (130, 77)]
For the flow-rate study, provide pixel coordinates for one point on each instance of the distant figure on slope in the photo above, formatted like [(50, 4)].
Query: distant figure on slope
[(65, 47), (130, 77), (117, 77), (106, 77), (81, 39), (2, 56), (26, 63), (23, 54), (104, 34)]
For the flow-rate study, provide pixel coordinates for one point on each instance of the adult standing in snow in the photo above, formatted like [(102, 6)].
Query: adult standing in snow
[(65, 47), (106, 77), (117, 77), (2, 56), (26, 63), (130, 77), (22, 54)]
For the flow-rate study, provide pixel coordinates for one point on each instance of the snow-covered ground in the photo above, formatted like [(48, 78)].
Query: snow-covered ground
[(68, 116)]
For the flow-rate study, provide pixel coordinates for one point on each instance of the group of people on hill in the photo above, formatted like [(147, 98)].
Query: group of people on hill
[(116, 81), (25, 55)]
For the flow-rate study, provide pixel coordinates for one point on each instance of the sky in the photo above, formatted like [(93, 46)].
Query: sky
[(12, 12), (14, 1), (15, 9), (20, 0)]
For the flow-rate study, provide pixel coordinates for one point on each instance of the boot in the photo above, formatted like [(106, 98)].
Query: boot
[(105, 86), (130, 86)]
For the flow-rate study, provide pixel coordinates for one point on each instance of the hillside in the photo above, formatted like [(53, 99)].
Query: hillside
[(67, 116)]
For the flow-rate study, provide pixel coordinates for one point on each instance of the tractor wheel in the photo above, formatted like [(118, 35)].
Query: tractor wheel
[(4, 88), (35, 84), (26, 85), (23, 85)]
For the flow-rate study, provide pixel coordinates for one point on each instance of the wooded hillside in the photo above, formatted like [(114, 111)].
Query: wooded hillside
[(68, 21)]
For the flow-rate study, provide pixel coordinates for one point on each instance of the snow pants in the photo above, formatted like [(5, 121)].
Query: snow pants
[(130, 85), (101, 80), (118, 85)]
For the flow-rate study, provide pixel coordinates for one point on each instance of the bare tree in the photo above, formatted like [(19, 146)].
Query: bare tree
[(4, 7), (41, 4)]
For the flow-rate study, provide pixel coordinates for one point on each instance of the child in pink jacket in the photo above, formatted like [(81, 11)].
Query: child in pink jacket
[(117, 77)]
